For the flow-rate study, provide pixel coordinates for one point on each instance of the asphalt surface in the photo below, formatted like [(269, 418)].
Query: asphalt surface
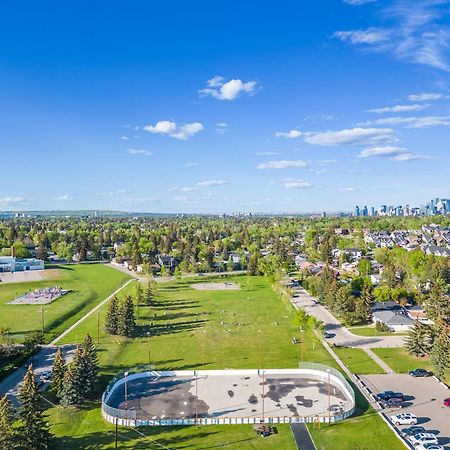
[(343, 336), (302, 436), (424, 399), (42, 362)]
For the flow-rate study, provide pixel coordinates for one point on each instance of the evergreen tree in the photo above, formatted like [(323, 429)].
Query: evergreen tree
[(419, 339), (112, 317), (438, 305), (7, 432), (149, 294), (127, 321), (58, 372), (33, 431), (90, 355), (440, 355), (73, 390), (139, 294)]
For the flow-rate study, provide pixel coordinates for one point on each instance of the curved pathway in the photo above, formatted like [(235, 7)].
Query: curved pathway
[(343, 336)]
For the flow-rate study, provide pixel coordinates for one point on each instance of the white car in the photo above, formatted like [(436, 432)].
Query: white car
[(423, 438), (430, 447), (404, 419)]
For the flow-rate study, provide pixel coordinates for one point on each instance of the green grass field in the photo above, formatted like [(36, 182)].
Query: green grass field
[(358, 361), (90, 284), (400, 361), (371, 331), (186, 334)]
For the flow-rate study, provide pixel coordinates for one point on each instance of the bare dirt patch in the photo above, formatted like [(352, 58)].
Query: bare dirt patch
[(216, 287), (29, 276)]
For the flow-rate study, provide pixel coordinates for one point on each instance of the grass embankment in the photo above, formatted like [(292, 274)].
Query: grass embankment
[(372, 331), (358, 361), (89, 283)]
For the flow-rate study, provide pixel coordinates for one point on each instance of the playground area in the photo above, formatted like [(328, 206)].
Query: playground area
[(229, 397), (40, 296), (216, 286)]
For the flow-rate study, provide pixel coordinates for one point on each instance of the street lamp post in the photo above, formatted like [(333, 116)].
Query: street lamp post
[(329, 397), (263, 393), (302, 345), (260, 348), (42, 320)]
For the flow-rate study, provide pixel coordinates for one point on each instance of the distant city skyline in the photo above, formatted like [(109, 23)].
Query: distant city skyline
[(305, 107)]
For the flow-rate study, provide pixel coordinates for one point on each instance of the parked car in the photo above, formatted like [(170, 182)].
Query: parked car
[(430, 447), (387, 395), (411, 431), (336, 409), (328, 335), (423, 438), (420, 373), (404, 419), (446, 402), (392, 403)]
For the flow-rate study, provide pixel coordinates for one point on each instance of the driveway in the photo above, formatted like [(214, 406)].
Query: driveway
[(343, 336), (426, 396), (42, 362)]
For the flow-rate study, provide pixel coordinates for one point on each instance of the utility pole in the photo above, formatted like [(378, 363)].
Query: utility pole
[(148, 347), (329, 397)]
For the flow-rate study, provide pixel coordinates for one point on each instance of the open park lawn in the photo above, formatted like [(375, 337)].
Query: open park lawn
[(358, 361), (246, 328), (400, 361), (89, 283)]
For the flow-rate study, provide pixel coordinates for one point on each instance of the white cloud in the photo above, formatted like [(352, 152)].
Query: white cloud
[(64, 198), (169, 128), (293, 134), (424, 97), (140, 201), (283, 164), (413, 122), (386, 151), (326, 161), (369, 36), (140, 151), (417, 32), (191, 164), (291, 183), (221, 90), (221, 128), (117, 193), (347, 189), (211, 183), (408, 156), (186, 200), (124, 138), (12, 201), (400, 108), (184, 189), (351, 137), (358, 2)]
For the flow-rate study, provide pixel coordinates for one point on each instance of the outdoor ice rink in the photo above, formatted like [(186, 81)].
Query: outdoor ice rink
[(225, 394)]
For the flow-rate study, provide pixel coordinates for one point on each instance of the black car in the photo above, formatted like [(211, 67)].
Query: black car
[(387, 395), (392, 403), (420, 373), (412, 431)]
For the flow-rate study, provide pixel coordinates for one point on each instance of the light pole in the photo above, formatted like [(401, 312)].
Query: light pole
[(126, 391), (260, 349), (203, 349), (148, 347), (329, 397), (196, 399), (302, 344)]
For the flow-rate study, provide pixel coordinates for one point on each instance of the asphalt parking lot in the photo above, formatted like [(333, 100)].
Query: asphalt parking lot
[(426, 397)]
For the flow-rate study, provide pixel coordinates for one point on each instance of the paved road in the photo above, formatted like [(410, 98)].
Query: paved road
[(42, 362), (302, 436), (425, 400), (342, 336), (57, 339)]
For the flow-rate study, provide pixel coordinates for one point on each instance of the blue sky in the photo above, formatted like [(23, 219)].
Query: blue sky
[(201, 107)]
